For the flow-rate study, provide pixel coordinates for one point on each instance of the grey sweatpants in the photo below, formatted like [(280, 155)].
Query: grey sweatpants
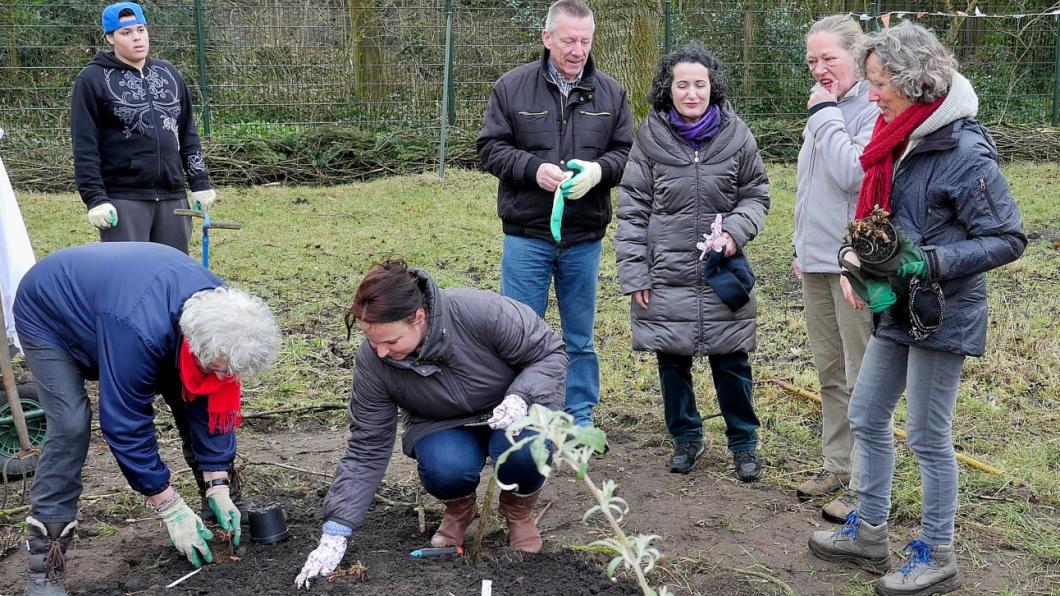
[(150, 220)]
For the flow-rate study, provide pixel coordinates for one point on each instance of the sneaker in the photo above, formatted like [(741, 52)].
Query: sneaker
[(838, 509), (822, 484), (856, 542), (748, 466), (685, 457), (927, 570)]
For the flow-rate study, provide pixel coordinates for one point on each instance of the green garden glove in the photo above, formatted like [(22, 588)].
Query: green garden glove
[(909, 260), (588, 176), (227, 513), (558, 198), (879, 295), (186, 531)]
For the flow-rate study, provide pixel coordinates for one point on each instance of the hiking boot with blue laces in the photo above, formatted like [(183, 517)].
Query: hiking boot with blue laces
[(927, 570), (857, 542)]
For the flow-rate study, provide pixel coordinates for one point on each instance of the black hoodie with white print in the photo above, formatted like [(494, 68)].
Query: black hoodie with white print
[(134, 132)]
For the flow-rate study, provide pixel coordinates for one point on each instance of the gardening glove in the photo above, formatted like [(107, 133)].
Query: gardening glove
[(909, 260), (876, 292), (103, 216), (588, 176), (323, 560), (511, 409), (558, 199), (186, 531), (202, 199), (227, 513)]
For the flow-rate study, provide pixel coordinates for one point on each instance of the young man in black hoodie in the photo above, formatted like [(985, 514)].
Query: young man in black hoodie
[(134, 139)]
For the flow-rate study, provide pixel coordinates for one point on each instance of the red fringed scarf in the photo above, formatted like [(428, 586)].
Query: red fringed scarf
[(222, 395), (887, 144)]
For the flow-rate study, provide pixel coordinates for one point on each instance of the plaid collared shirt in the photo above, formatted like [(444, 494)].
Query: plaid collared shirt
[(564, 85)]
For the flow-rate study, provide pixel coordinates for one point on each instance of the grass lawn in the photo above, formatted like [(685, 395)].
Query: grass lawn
[(305, 249)]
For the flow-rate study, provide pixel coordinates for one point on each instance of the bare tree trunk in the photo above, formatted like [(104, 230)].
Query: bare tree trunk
[(626, 45), (369, 80)]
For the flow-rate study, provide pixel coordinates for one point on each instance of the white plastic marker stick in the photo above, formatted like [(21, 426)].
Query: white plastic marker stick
[(487, 587), (184, 578)]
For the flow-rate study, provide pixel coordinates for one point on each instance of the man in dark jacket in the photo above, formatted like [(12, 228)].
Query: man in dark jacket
[(542, 116), (134, 139), (143, 319)]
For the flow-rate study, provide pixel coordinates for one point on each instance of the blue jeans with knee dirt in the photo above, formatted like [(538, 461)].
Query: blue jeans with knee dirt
[(450, 461), (528, 266), (930, 380), (732, 383), (61, 391)]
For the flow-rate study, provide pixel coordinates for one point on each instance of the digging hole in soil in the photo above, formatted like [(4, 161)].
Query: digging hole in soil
[(377, 561)]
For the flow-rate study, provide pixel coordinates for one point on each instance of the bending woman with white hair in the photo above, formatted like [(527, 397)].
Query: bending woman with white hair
[(143, 319), (935, 170)]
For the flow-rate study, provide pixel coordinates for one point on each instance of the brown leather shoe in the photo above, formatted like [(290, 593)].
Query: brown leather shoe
[(822, 484), (518, 511), (458, 516), (839, 508)]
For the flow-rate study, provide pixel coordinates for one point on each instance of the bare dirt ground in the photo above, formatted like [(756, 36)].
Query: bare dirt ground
[(720, 536)]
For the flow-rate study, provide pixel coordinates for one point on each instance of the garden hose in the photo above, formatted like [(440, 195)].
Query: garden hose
[(970, 461)]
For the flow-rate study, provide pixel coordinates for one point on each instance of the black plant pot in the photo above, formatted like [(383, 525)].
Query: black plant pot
[(268, 525), (877, 246)]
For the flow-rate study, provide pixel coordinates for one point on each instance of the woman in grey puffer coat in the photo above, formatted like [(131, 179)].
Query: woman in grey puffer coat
[(692, 160)]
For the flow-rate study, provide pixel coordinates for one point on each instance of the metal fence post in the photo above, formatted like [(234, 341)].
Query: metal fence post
[(668, 26), (204, 83), (447, 110), (1056, 76)]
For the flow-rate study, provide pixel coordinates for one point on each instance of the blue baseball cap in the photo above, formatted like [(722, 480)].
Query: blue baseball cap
[(111, 21)]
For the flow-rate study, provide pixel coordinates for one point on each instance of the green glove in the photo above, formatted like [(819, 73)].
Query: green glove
[(227, 513), (588, 176), (878, 296), (909, 260), (558, 200), (186, 531)]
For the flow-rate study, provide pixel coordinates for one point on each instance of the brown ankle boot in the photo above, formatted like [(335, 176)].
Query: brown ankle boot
[(518, 510), (458, 516)]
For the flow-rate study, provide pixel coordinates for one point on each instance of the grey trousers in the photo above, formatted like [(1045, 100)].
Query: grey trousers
[(931, 379), (150, 220), (838, 335), (61, 391)]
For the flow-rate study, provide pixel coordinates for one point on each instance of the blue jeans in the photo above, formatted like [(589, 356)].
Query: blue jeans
[(932, 379), (61, 390), (527, 268), (450, 461), (732, 384)]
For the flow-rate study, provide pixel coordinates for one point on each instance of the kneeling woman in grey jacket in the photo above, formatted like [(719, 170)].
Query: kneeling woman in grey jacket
[(693, 161), (461, 365)]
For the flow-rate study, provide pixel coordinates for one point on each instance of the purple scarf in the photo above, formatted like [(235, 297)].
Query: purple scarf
[(699, 132)]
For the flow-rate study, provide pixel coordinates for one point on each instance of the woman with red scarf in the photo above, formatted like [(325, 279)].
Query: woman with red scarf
[(935, 171), (143, 319)]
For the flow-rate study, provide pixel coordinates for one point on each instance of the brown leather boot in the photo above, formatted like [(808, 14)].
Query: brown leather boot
[(518, 510), (458, 516)]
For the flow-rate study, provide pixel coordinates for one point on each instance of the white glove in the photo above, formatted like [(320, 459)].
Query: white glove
[(103, 216), (588, 176), (187, 531), (511, 409), (202, 199), (323, 560)]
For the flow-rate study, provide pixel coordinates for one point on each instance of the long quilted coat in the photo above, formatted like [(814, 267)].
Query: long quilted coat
[(668, 198)]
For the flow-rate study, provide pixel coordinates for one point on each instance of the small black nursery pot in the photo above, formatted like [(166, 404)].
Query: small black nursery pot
[(268, 525)]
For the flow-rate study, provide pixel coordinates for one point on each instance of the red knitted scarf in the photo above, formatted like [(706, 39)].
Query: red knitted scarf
[(887, 144), (222, 395)]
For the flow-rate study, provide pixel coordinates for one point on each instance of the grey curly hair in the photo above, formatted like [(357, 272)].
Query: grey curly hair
[(921, 68), (229, 323)]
